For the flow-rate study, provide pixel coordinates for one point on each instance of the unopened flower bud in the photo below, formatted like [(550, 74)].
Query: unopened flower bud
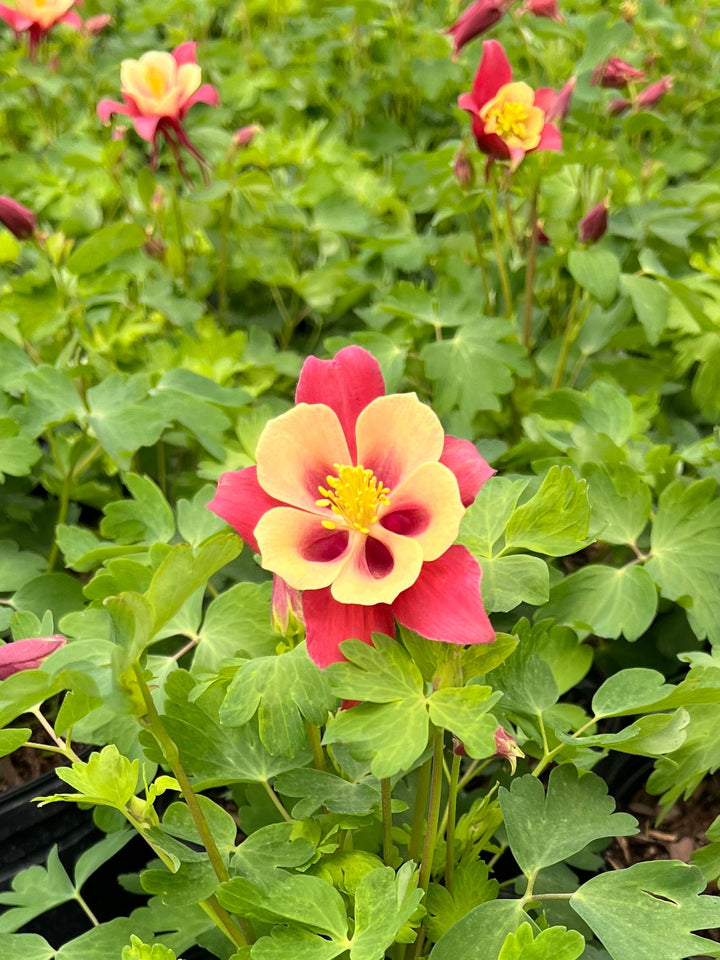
[(543, 8), (542, 238), (96, 24), (18, 219), (157, 199), (561, 106), (463, 168), (287, 611), (243, 137), (118, 132), (154, 248), (618, 106), (474, 21), (628, 10), (615, 73), (594, 224), (27, 654), (507, 748), (648, 97)]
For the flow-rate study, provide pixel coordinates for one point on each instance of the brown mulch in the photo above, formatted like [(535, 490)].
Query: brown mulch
[(27, 763)]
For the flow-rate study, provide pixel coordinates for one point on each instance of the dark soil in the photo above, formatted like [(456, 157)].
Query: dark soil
[(27, 763)]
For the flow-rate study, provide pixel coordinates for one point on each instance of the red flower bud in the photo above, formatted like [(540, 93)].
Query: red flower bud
[(542, 238), (245, 135), (463, 168), (543, 8), (96, 24), (648, 97), (18, 219), (561, 107), (617, 106), (615, 73), (287, 611), (475, 20), (594, 224), (27, 654)]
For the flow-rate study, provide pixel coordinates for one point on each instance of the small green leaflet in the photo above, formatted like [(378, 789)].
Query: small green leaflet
[(545, 829), (556, 520), (107, 779), (554, 943), (648, 911), (481, 933), (142, 951), (320, 788)]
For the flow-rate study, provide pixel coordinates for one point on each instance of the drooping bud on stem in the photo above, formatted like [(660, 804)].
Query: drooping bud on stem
[(18, 219)]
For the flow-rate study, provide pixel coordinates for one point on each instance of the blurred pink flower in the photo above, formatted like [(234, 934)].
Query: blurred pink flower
[(18, 219), (96, 24), (649, 96), (560, 108), (543, 8), (27, 654), (615, 73), (38, 17), (158, 90), (594, 224), (618, 105), (245, 135), (509, 119)]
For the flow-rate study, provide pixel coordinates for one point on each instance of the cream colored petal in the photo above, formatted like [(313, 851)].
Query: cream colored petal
[(297, 451), (377, 568), (151, 81), (427, 508), (296, 546), (189, 78), (395, 434)]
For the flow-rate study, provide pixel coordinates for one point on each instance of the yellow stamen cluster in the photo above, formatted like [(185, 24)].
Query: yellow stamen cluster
[(355, 495), (509, 120)]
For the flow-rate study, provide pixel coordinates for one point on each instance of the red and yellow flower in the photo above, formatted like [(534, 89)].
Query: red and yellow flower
[(356, 500), (510, 119), (37, 17), (158, 90)]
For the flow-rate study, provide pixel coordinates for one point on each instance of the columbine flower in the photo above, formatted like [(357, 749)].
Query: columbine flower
[(507, 748), (356, 500), (18, 219), (509, 119), (475, 20), (158, 90), (615, 73), (648, 97), (594, 224), (27, 654), (38, 17), (543, 8)]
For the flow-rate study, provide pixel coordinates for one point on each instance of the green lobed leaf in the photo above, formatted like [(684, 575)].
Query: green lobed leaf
[(510, 581), (137, 950), (556, 520), (472, 886), (237, 623), (630, 691), (58, 592), (17, 452), (620, 501), (597, 271), (649, 910), (463, 711), (685, 553), (650, 302), (34, 891), (320, 788), (485, 519), (384, 902), (108, 779), (13, 737), (17, 566), (545, 829), (106, 940), (121, 419), (481, 933), (607, 601), (25, 946), (147, 518), (378, 674), (679, 774), (104, 246)]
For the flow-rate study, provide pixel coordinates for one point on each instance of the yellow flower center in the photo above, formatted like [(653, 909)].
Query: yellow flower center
[(513, 116), (509, 120), (155, 79), (355, 495)]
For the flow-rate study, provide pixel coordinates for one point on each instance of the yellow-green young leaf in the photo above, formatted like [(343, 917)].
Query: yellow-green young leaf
[(543, 830), (556, 520), (184, 570), (649, 910), (12, 738), (472, 886), (142, 951), (685, 553), (132, 619), (555, 943), (107, 779)]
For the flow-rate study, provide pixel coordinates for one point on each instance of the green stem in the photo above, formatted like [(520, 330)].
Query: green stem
[(550, 755), (61, 518), (277, 802), (316, 744), (569, 335), (82, 465), (223, 261), (451, 814), (62, 746), (180, 230), (171, 754), (472, 216), (386, 807), (418, 823), (91, 916), (499, 253), (433, 811), (530, 269)]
